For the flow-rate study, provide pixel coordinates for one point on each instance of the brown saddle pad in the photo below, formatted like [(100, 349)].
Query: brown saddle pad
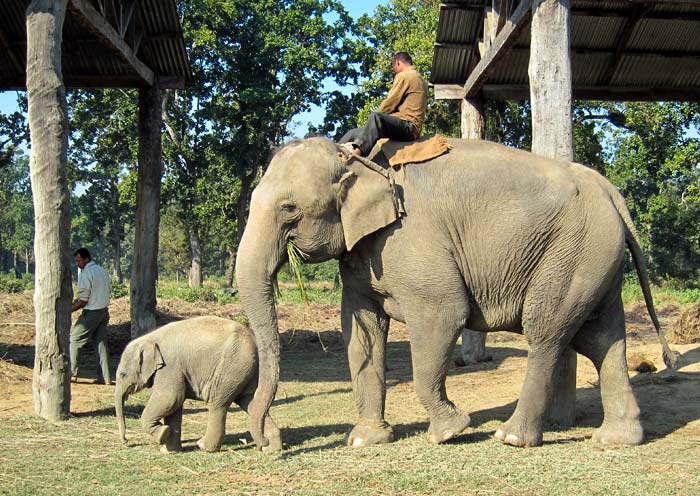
[(409, 152)]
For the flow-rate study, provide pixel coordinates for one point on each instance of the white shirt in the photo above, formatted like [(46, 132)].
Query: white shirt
[(93, 286)]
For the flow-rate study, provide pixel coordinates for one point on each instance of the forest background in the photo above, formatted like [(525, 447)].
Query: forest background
[(258, 67)]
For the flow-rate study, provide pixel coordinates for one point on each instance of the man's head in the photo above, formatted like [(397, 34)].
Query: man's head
[(401, 61), (82, 257)]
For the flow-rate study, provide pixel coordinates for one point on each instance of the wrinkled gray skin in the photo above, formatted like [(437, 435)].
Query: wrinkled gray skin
[(204, 358), (493, 239)]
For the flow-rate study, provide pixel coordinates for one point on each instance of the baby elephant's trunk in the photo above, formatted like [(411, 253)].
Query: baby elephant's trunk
[(119, 400)]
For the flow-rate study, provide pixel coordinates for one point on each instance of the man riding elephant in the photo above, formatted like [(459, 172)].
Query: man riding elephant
[(402, 113)]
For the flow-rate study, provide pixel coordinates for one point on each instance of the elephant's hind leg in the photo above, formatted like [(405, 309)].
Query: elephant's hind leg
[(552, 314), (603, 341), (216, 429)]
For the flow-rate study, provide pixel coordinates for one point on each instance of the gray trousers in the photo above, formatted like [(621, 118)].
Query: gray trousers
[(92, 324)]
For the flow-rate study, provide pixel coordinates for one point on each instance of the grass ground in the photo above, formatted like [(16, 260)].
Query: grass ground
[(315, 409)]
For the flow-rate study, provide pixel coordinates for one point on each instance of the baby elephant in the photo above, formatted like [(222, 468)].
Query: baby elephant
[(204, 358)]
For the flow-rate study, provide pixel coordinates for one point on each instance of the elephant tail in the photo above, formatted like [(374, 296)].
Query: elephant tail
[(671, 357)]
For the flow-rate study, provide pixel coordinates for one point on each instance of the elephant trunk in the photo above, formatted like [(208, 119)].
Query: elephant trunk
[(120, 396), (257, 263)]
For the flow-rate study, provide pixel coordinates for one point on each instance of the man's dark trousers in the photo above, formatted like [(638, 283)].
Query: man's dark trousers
[(378, 126)]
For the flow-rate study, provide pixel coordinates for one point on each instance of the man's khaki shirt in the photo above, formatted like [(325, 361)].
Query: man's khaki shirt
[(407, 99)]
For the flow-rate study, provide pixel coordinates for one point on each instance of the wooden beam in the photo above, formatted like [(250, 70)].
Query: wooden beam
[(448, 91), (5, 43), (505, 38), (622, 39), (521, 92), (104, 31), (447, 5), (627, 12)]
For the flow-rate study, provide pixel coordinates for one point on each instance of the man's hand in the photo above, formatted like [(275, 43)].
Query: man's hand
[(78, 304)]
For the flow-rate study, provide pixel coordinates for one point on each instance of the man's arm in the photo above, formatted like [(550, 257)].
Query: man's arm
[(393, 99), (78, 304)]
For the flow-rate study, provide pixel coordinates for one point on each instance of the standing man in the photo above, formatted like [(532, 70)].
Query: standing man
[(93, 298), (402, 113)]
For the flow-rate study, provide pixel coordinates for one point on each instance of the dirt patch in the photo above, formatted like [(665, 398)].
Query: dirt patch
[(686, 330)]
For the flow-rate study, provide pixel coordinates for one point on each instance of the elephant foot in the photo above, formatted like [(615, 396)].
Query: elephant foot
[(446, 428), (161, 434), (461, 361), (275, 444), (621, 433), (170, 449), (208, 446), (370, 432), (514, 433)]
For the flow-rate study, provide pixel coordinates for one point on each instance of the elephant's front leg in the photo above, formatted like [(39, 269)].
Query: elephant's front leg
[(216, 428), (434, 334), (365, 327), (165, 403)]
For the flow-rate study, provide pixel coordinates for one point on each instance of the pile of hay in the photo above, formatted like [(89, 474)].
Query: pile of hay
[(686, 330)]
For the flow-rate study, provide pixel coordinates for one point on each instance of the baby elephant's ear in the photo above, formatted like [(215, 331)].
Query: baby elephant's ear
[(151, 360)]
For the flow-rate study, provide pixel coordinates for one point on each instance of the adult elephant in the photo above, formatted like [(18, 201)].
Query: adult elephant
[(486, 237)]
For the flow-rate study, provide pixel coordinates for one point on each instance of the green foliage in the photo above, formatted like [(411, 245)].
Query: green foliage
[(9, 283), (656, 165), (669, 292), (256, 65), (208, 294), (103, 158), (117, 290)]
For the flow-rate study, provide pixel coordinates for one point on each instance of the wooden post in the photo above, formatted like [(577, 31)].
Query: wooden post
[(473, 122), (145, 267), (48, 127), (473, 127), (550, 79), (552, 136)]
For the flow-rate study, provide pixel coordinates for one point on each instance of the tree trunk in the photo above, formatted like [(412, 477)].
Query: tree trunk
[(15, 263), (144, 272), (48, 127), (26, 262), (196, 257), (552, 136), (228, 280), (116, 231)]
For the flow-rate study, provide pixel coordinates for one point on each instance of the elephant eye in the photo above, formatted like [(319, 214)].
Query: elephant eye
[(289, 207), (290, 212)]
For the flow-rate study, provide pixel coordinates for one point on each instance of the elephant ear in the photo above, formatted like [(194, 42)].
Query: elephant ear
[(150, 361), (366, 200)]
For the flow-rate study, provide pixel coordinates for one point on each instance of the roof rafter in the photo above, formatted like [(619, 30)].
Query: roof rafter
[(98, 24), (622, 40), (505, 37)]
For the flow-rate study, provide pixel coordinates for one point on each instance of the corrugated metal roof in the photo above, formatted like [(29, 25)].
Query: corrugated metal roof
[(156, 35), (659, 56)]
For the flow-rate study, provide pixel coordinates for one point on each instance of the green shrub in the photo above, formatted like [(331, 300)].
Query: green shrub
[(10, 284), (117, 290), (194, 295)]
